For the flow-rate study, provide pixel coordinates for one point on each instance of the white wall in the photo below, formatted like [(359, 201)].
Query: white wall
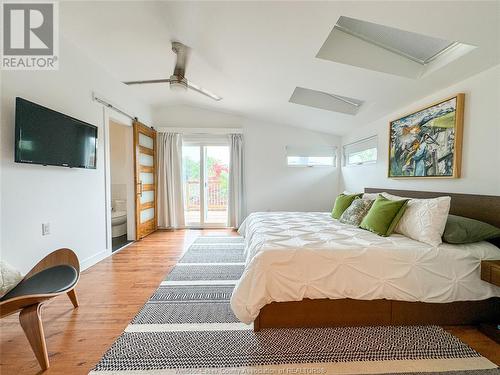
[(270, 183), (71, 200), (118, 139), (274, 186), (481, 143)]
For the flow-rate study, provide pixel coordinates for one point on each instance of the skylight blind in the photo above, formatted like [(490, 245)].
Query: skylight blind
[(417, 47)]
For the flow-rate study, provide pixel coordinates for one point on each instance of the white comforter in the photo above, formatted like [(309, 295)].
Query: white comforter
[(296, 255)]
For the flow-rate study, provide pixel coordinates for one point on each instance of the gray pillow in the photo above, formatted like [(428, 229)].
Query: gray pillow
[(356, 212), (461, 230)]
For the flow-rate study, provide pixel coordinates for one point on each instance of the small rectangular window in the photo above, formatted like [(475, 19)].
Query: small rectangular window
[(361, 152), (310, 161), (311, 156)]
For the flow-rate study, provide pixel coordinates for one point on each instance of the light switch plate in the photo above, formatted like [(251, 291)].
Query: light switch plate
[(45, 229)]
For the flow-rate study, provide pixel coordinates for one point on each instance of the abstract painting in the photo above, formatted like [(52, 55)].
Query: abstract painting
[(428, 143)]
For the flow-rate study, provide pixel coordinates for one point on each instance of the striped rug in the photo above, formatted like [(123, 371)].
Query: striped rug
[(187, 327)]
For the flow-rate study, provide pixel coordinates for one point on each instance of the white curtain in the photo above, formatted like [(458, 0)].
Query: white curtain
[(236, 202), (170, 194)]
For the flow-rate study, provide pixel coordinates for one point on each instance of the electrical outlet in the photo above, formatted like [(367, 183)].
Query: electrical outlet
[(45, 229)]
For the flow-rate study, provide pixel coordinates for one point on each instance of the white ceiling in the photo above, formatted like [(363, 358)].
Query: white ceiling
[(254, 54)]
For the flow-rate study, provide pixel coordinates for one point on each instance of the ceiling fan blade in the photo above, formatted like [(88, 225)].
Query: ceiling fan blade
[(203, 91), (182, 52), (145, 82)]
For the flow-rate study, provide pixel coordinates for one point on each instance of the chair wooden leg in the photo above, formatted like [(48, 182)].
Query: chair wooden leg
[(31, 321), (73, 298)]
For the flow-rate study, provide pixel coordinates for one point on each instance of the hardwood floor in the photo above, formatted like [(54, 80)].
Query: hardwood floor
[(110, 295)]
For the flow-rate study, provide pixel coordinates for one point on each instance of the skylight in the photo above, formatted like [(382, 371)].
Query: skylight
[(417, 47), (325, 100), (387, 49)]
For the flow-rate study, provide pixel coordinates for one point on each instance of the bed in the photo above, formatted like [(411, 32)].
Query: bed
[(309, 270)]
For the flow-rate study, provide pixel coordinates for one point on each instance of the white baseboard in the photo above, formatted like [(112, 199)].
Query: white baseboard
[(96, 258)]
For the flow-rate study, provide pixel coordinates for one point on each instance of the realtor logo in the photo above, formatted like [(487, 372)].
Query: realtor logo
[(30, 40)]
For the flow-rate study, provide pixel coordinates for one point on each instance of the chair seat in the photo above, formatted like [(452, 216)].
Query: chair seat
[(55, 279)]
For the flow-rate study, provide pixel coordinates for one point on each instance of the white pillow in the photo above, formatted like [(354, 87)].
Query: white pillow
[(424, 219), (9, 277)]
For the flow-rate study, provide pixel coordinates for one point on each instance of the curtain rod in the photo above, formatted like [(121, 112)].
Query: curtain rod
[(199, 131), (109, 105)]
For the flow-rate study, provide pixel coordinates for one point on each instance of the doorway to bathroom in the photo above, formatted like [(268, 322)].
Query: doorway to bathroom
[(121, 167)]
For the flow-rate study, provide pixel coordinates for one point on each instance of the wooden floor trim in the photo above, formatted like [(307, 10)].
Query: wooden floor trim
[(110, 295)]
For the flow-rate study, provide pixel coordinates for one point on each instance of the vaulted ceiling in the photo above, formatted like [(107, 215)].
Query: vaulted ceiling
[(254, 54)]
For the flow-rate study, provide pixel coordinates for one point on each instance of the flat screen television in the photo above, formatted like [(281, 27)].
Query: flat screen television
[(47, 137)]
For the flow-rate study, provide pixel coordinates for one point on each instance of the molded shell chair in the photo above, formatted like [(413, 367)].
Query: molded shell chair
[(55, 274)]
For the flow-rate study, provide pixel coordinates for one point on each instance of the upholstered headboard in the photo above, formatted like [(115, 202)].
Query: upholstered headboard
[(485, 208)]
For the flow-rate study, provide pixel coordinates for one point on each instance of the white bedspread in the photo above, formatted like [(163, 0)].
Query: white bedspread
[(296, 255)]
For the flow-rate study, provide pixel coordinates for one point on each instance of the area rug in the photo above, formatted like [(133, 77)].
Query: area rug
[(187, 327)]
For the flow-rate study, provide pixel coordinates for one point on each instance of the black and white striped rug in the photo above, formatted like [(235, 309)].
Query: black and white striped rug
[(187, 327)]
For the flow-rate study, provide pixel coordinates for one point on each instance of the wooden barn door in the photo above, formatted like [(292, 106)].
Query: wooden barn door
[(145, 180)]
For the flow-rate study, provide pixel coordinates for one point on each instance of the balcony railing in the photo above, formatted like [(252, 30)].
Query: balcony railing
[(215, 193)]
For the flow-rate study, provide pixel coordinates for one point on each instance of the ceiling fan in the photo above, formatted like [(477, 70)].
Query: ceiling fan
[(178, 80)]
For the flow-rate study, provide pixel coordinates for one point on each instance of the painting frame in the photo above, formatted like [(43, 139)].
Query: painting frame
[(457, 144)]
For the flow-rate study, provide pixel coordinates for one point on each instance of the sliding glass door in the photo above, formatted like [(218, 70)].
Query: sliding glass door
[(205, 183), (216, 184), (191, 178)]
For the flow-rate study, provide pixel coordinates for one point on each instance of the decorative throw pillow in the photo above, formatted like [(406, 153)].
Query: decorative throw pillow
[(356, 212), (342, 202), (460, 230), (370, 196), (384, 215), (424, 219), (9, 278)]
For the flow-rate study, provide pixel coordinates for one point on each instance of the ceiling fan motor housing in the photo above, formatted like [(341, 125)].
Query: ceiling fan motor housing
[(177, 84)]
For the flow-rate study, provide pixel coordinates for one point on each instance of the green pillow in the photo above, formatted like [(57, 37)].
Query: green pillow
[(460, 230), (384, 215), (342, 202)]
